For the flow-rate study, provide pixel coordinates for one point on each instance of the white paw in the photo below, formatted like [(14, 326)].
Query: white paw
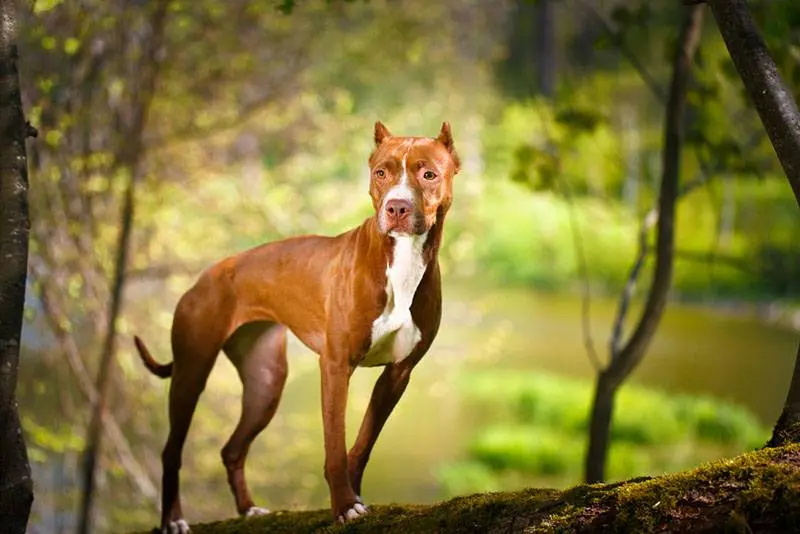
[(179, 526), (355, 512), (255, 510)]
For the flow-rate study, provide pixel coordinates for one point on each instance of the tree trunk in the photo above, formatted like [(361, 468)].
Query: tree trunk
[(625, 360), (546, 47), (781, 119), (16, 486), (772, 98), (94, 432), (600, 430), (787, 429)]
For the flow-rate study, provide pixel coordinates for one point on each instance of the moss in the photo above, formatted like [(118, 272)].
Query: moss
[(755, 492)]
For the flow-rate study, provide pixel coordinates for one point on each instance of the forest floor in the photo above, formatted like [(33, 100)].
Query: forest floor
[(755, 492)]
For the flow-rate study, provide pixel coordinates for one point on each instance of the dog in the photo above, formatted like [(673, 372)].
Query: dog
[(367, 297)]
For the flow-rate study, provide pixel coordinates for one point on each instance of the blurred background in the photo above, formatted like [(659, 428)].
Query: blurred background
[(228, 124)]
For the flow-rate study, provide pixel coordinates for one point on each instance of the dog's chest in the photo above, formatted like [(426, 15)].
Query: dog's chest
[(394, 334)]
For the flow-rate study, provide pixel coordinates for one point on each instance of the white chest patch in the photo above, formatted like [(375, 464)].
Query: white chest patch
[(394, 333)]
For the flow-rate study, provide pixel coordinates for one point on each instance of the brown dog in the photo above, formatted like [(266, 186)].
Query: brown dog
[(367, 297)]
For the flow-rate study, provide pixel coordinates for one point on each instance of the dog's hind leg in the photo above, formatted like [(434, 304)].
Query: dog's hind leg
[(184, 392), (194, 351), (258, 351)]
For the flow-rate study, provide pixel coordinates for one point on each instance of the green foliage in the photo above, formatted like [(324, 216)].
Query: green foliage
[(554, 172), (715, 422), (42, 6), (539, 423), (527, 449), (43, 440)]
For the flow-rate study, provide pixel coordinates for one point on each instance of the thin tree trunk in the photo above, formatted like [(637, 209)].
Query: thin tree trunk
[(624, 361), (781, 119), (94, 433), (16, 486), (771, 96), (132, 161), (600, 429), (787, 429), (546, 47)]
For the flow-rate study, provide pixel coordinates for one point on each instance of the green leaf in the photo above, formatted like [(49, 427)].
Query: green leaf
[(48, 42), (53, 137), (286, 6), (603, 42), (71, 46), (42, 6)]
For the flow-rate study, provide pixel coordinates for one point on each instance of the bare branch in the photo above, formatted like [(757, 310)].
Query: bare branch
[(586, 298), (618, 40), (577, 241), (648, 222), (625, 298), (55, 317)]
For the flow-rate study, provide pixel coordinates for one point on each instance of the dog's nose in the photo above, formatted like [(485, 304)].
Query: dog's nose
[(399, 208)]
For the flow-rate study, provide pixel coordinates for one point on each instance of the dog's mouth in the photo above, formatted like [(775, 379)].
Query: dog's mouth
[(413, 225)]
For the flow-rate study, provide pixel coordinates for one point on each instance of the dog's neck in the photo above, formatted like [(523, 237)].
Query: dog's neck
[(405, 261), (381, 247)]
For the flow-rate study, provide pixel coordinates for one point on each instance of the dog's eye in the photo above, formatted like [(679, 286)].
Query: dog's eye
[(429, 175), (380, 173)]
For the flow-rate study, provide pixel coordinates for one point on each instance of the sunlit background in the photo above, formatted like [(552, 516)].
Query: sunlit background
[(259, 128)]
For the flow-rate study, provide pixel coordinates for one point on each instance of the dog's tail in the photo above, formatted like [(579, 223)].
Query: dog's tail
[(161, 370)]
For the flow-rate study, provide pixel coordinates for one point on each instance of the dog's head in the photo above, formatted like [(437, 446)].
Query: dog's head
[(411, 180)]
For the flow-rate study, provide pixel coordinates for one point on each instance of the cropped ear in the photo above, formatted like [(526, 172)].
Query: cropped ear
[(381, 133), (446, 136)]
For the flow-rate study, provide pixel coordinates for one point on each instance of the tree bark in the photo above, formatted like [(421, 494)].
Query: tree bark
[(781, 119), (624, 361), (600, 429), (16, 486), (772, 98)]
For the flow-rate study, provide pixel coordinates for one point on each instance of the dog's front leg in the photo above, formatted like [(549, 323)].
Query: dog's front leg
[(385, 396), (335, 370)]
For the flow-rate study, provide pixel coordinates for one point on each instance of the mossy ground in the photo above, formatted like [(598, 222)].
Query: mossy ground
[(754, 492)]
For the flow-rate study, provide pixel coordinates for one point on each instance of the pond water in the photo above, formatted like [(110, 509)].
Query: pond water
[(696, 350)]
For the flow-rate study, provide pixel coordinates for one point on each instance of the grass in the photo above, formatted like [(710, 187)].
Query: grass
[(536, 432)]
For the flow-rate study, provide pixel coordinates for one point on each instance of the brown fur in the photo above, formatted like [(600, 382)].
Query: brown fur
[(327, 291)]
